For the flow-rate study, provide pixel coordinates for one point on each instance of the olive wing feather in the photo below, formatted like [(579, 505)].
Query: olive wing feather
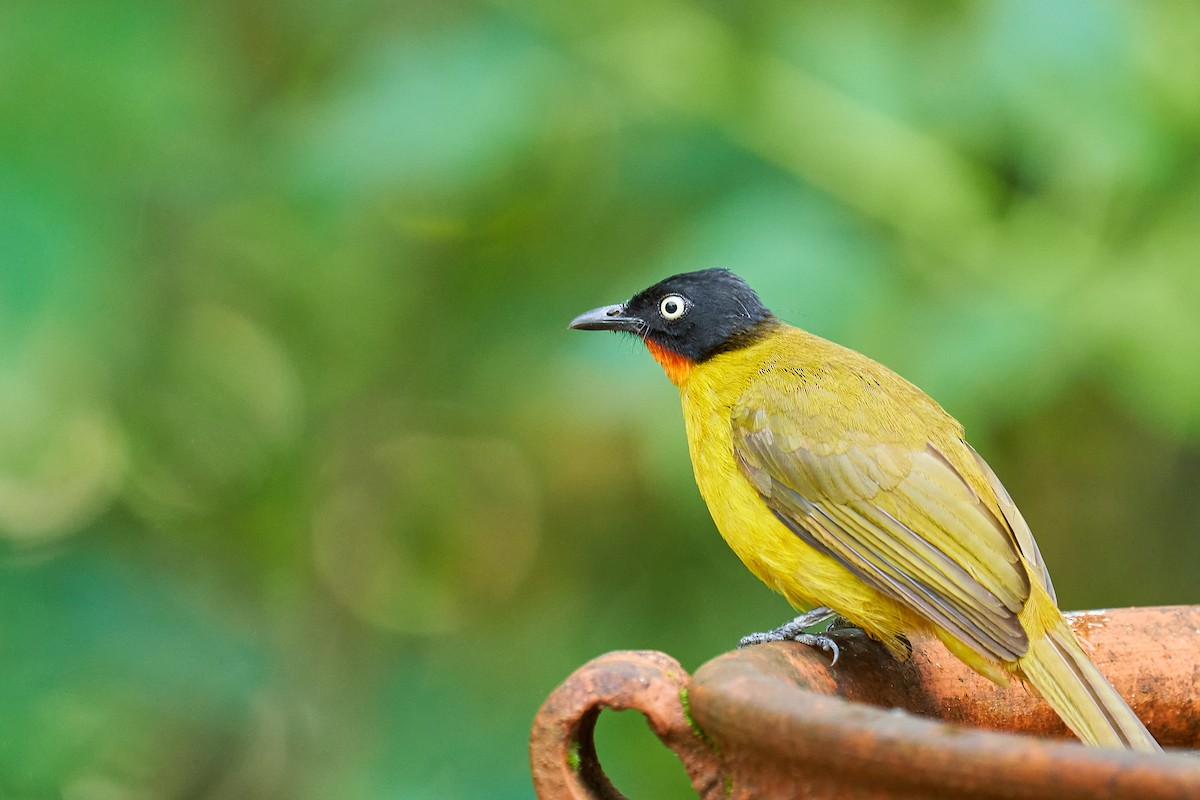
[(900, 517)]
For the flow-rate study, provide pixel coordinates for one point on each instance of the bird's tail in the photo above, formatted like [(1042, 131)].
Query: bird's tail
[(1059, 669)]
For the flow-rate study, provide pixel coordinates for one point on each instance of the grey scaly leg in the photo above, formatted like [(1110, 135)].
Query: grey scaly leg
[(795, 631)]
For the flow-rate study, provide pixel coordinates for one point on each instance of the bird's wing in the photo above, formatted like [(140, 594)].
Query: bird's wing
[(1017, 524), (901, 518)]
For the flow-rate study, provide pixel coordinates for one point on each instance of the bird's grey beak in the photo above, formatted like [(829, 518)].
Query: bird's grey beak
[(607, 318)]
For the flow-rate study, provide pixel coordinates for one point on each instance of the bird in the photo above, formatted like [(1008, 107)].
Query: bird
[(851, 492)]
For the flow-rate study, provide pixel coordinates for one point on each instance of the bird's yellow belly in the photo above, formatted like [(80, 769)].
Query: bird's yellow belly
[(776, 555)]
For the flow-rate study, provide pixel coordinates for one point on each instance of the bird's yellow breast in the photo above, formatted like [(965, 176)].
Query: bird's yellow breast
[(776, 555)]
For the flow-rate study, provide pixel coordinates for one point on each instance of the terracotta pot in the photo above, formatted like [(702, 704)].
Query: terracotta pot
[(776, 721)]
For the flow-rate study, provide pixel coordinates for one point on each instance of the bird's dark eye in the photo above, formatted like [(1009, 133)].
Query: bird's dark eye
[(672, 306)]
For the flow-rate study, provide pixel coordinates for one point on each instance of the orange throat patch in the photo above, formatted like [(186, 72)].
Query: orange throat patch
[(676, 366)]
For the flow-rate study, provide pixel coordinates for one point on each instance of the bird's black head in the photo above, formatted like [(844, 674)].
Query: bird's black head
[(695, 314)]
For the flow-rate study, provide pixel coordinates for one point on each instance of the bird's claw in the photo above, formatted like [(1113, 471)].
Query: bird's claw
[(811, 639), (760, 638), (795, 631), (824, 642)]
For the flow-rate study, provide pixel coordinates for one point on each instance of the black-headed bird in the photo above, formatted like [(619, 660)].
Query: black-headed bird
[(851, 492)]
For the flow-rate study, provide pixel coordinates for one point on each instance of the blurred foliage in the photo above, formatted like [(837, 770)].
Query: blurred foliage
[(305, 490)]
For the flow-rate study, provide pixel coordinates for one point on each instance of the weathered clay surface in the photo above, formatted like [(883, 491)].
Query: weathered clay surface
[(787, 725)]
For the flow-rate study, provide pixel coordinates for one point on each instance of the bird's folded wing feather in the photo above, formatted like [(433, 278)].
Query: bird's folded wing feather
[(1016, 523), (901, 517)]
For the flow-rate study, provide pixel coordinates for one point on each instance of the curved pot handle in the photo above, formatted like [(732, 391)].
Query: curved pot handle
[(562, 747)]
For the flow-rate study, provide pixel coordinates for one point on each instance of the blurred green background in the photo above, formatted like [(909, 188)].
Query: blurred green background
[(305, 489)]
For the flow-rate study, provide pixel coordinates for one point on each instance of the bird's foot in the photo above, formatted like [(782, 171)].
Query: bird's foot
[(811, 639), (796, 630)]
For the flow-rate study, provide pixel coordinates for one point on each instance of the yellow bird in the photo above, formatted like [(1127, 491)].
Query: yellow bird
[(850, 491)]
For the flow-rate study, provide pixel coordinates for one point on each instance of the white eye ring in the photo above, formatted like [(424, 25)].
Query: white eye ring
[(673, 306)]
